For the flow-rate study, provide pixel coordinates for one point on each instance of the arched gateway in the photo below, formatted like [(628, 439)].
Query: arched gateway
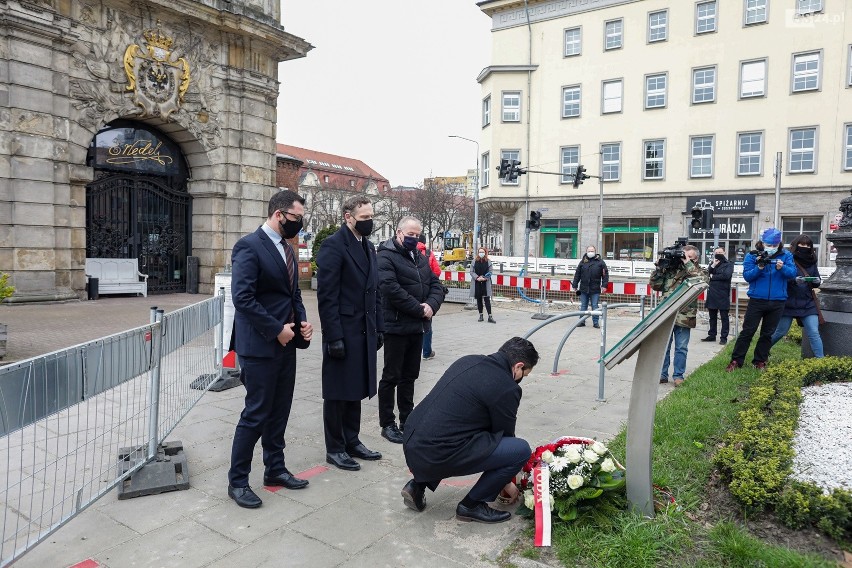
[(137, 205)]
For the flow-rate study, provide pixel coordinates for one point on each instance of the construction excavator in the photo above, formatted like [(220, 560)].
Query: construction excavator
[(458, 249)]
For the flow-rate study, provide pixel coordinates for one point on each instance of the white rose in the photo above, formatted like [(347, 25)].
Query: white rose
[(529, 500), (547, 456), (599, 448), (573, 455), (590, 456), (608, 465), (575, 481)]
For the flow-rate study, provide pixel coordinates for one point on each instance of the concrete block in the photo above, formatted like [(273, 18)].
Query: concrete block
[(38, 123), (30, 53), (29, 75), (34, 100), (37, 169), (33, 236), (27, 215), (168, 472)]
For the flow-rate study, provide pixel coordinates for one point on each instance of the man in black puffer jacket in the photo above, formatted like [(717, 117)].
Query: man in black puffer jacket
[(411, 295), (591, 279)]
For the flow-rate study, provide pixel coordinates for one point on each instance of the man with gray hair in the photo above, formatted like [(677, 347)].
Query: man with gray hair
[(411, 295), (352, 331)]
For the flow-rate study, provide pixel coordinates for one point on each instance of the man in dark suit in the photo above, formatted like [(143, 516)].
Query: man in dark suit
[(352, 331), (466, 425), (270, 323)]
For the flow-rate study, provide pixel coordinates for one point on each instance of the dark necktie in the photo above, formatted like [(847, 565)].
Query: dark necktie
[(288, 254)]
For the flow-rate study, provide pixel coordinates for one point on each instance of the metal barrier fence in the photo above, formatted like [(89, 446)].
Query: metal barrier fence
[(77, 422)]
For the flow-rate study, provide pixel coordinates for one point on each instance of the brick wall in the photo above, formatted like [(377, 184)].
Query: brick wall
[(287, 173)]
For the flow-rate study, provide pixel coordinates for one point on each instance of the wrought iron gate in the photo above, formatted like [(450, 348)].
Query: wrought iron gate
[(138, 216)]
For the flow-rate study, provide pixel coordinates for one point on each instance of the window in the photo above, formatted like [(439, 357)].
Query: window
[(325, 179), (654, 159), (701, 157), (486, 171), (802, 150), (847, 162), (753, 79), (569, 159), (810, 226), (808, 6), (351, 183), (749, 154), (806, 71), (571, 101), (613, 35), (611, 161), (512, 106), (510, 155), (755, 11), (573, 42), (704, 85), (612, 91), (486, 111), (705, 17), (655, 91), (849, 67), (658, 26)]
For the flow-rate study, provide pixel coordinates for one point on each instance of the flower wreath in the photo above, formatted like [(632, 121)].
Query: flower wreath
[(566, 478)]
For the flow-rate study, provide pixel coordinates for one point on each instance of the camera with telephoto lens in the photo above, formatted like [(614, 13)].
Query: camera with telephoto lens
[(671, 258), (761, 257)]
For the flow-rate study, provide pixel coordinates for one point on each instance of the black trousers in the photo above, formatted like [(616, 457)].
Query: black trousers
[(402, 367), (763, 313), (487, 303), (269, 386), (723, 316), (342, 423)]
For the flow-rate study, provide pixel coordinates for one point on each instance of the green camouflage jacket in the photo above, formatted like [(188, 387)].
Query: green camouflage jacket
[(667, 281)]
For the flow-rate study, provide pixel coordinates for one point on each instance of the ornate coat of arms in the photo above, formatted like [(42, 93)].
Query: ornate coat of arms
[(158, 82)]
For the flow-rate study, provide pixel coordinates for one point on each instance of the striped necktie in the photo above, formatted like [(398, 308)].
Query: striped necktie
[(291, 262)]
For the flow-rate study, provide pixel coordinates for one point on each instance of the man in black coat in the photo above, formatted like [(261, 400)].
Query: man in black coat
[(352, 331), (269, 324), (411, 295), (590, 281), (466, 425), (719, 295)]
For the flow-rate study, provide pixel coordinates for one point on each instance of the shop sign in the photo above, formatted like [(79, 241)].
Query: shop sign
[(727, 204), (558, 230), (736, 229)]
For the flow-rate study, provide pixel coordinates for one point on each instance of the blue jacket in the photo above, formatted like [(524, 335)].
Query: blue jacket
[(769, 283)]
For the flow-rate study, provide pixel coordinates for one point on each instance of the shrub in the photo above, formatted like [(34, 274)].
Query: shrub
[(756, 456), (6, 289), (321, 235), (795, 334)]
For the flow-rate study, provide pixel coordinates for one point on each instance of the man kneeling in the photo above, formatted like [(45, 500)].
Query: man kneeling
[(466, 425)]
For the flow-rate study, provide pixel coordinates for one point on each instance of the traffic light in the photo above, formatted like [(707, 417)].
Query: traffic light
[(535, 221), (707, 219), (514, 171), (503, 169), (696, 219), (579, 176)]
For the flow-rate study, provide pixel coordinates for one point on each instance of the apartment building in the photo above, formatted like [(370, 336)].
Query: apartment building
[(672, 103)]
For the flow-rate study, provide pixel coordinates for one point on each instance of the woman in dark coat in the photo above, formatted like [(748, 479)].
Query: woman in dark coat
[(480, 282), (719, 295), (801, 304)]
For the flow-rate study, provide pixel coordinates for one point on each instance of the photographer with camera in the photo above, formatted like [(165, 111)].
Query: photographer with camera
[(676, 264), (767, 270)]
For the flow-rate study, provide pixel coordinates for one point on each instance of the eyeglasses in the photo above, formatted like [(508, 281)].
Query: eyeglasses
[(292, 216)]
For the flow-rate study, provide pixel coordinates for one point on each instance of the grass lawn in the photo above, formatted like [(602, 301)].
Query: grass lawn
[(704, 528)]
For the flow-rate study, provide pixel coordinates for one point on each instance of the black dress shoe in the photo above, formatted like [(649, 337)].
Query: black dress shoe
[(244, 497), (710, 338), (363, 452), (414, 495), (481, 513), (343, 461), (286, 480), (723, 341), (392, 434)]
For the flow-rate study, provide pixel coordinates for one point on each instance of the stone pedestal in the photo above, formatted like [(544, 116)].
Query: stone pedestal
[(835, 296)]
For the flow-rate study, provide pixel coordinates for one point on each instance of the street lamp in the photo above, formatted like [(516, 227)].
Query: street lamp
[(475, 195)]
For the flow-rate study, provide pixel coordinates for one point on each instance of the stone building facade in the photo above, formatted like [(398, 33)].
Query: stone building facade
[(134, 130)]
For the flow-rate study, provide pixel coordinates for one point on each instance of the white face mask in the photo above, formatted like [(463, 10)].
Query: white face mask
[(482, 255), (771, 250), (591, 254)]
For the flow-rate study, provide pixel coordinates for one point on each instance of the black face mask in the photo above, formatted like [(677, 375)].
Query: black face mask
[(290, 229), (720, 257), (409, 243), (364, 228)]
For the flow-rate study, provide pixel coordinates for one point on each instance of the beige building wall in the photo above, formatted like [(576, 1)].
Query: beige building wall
[(531, 59)]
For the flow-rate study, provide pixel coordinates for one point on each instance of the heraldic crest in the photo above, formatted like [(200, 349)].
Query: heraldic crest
[(158, 82)]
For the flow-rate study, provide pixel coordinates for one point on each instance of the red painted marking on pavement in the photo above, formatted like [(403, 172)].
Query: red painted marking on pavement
[(459, 483), (560, 372), (88, 563)]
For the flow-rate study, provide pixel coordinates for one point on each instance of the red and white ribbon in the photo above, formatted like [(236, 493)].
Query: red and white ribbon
[(541, 492)]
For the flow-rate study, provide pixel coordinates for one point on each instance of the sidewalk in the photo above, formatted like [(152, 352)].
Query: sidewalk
[(347, 519)]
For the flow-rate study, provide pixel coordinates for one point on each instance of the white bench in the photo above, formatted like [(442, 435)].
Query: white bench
[(117, 275)]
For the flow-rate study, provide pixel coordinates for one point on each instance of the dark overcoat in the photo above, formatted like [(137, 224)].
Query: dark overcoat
[(591, 275), (263, 298), (461, 421), (349, 309), (719, 293), (406, 281)]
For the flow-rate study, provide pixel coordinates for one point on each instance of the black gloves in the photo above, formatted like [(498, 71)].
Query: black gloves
[(336, 350), (380, 340)]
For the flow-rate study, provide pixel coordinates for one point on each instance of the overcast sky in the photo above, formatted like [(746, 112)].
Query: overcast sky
[(386, 83)]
